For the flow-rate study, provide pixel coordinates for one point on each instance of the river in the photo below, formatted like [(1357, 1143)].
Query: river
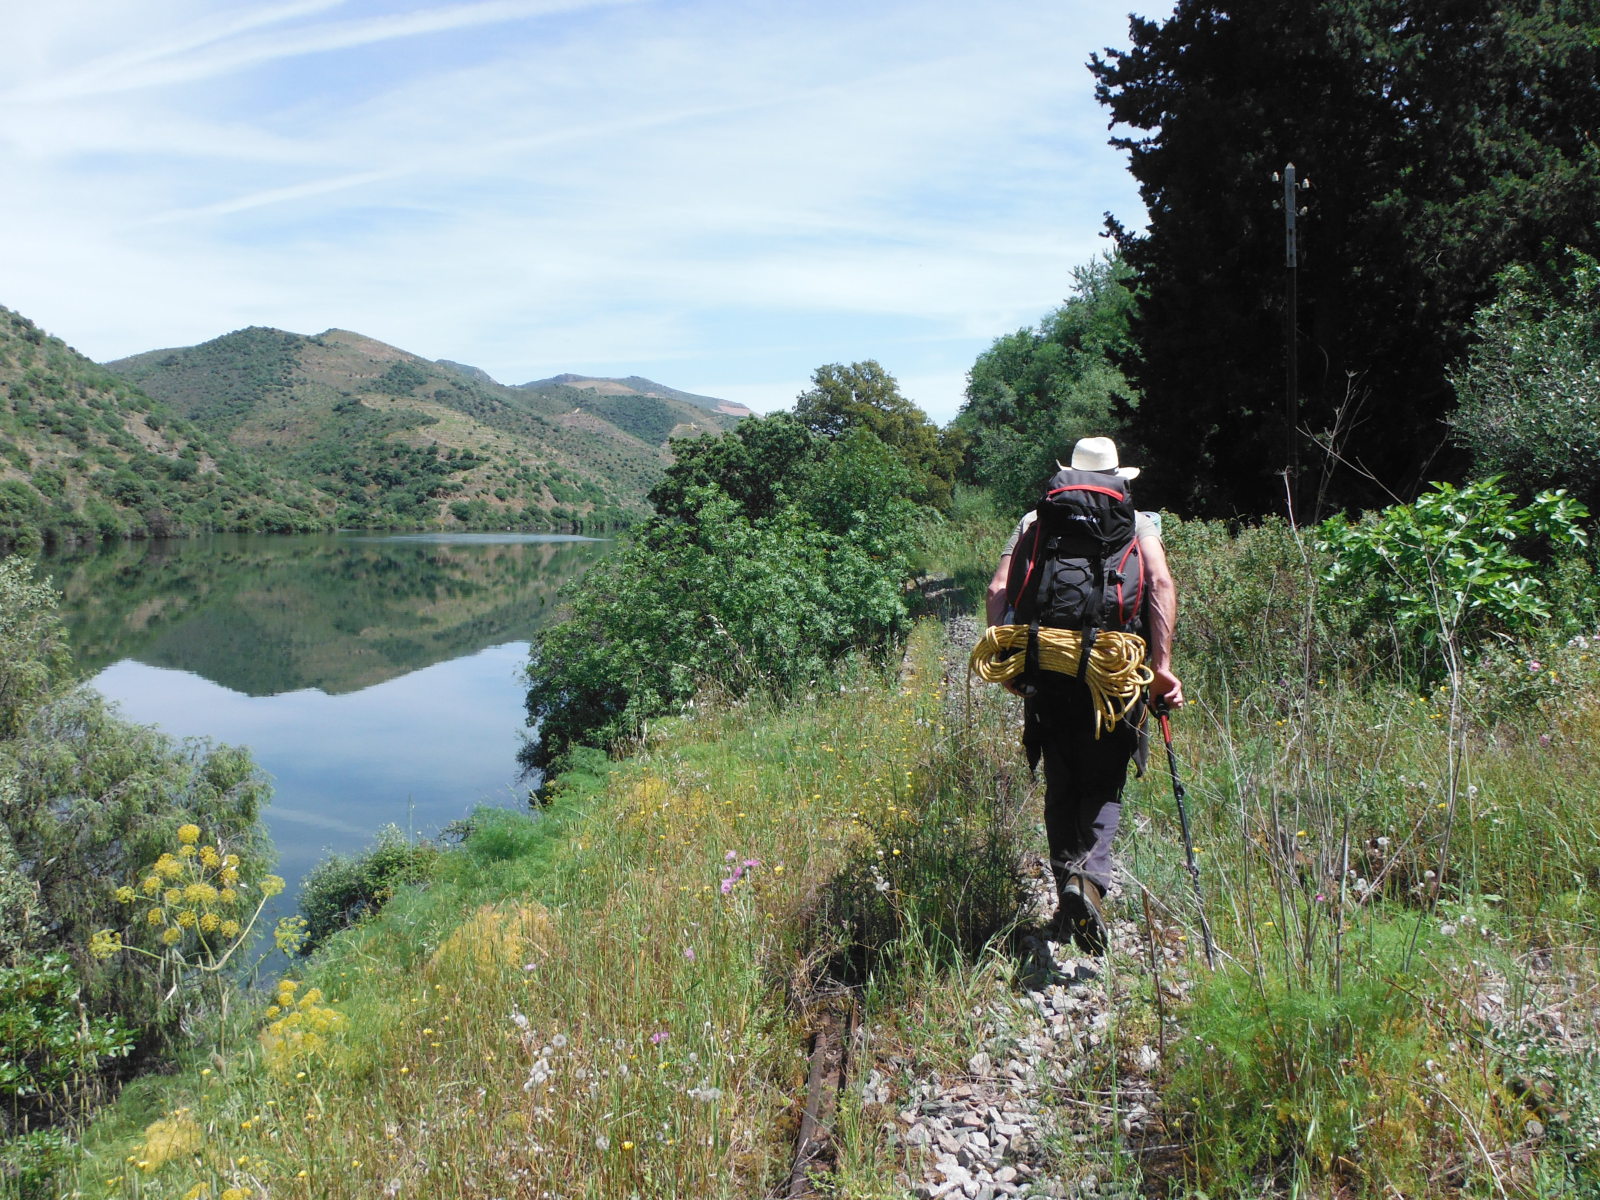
[(376, 678)]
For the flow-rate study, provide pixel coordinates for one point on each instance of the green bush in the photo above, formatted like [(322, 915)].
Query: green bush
[(30, 1162), (1449, 571), (1528, 390), (1268, 1080), (92, 801), (344, 889), (51, 1045), (773, 565), (1035, 392), (1247, 603)]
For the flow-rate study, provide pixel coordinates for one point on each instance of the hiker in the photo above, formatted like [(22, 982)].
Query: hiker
[(1087, 740)]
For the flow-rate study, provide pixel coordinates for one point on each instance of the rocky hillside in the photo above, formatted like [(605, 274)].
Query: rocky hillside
[(395, 438), (86, 455)]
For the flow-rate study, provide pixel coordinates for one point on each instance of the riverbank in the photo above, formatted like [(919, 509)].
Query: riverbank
[(601, 994), (619, 997)]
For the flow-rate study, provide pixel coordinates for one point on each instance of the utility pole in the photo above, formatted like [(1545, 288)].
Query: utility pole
[(1291, 324)]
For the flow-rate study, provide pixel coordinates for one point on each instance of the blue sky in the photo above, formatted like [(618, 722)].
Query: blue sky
[(721, 196)]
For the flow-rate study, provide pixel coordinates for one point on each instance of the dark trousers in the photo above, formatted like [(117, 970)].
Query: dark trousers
[(1084, 777)]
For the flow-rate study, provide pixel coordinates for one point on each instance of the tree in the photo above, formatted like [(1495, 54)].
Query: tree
[(774, 552), (1444, 142), (865, 396), (1530, 387), (1035, 392), (755, 464)]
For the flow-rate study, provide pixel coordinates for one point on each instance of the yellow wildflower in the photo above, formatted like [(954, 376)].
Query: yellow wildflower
[(125, 894), (105, 943), (210, 858), (150, 885), (271, 885), (186, 851), (172, 896), (171, 935), (177, 1136), (227, 896), (156, 916), (230, 929), (209, 922), (167, 867), (188, 834), (186, 918)]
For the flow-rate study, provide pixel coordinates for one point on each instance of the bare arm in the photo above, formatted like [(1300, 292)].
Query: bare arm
[(1161, 617), (994, 602)]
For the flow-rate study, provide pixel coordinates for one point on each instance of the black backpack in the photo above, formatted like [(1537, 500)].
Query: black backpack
[(1078, 566)]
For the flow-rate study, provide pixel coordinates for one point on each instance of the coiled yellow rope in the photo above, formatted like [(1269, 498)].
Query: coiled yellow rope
[(1116, 675)]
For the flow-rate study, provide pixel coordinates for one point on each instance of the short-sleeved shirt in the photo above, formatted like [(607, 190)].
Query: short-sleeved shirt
[(1145, 525)]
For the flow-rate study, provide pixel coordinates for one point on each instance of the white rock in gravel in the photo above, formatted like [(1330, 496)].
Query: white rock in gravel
[(1147, 1059)]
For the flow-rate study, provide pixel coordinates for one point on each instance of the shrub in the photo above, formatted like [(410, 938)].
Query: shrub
[(1529, 390), (1244, 601), (49, 1041), (1448, 570), (342, 890), (90, 800), (763, 586)]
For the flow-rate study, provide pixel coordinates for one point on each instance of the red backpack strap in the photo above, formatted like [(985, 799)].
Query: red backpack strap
[(1126, 613), (1030, 538)]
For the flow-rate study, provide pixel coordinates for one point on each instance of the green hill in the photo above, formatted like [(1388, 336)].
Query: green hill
[(398, 439), (86, 455), (637, 385)]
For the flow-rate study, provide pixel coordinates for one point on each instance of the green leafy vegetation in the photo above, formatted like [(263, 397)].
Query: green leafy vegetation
[(1445, 570), (774, 554), (344, 889), (865, 396), (1442, 146), (1035, 392), (87, 804), (1530, 386)]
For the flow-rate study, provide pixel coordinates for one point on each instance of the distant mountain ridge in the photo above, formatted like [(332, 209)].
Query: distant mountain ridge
[(639, 385), (397, 438), (262, 429)]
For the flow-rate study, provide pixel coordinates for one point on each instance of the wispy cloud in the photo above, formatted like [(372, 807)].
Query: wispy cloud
[(725, 192), (232, 43)]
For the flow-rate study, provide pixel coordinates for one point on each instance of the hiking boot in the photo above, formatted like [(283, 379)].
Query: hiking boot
[(1080, 914)]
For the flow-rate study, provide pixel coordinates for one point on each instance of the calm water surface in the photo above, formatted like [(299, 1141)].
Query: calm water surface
[(377, 679)]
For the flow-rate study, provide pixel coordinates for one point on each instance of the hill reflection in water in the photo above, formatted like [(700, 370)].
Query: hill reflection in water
[(377, 680), (266, 615)]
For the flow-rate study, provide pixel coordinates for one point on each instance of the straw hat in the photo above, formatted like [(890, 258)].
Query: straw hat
[(1099, 454)]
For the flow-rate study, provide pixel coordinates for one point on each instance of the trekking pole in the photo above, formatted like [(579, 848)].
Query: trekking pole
[(1161, 710)]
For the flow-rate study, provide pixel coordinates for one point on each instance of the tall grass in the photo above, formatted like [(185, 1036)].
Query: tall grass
[(598, 1001), (609, 999), (1401, 877)]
